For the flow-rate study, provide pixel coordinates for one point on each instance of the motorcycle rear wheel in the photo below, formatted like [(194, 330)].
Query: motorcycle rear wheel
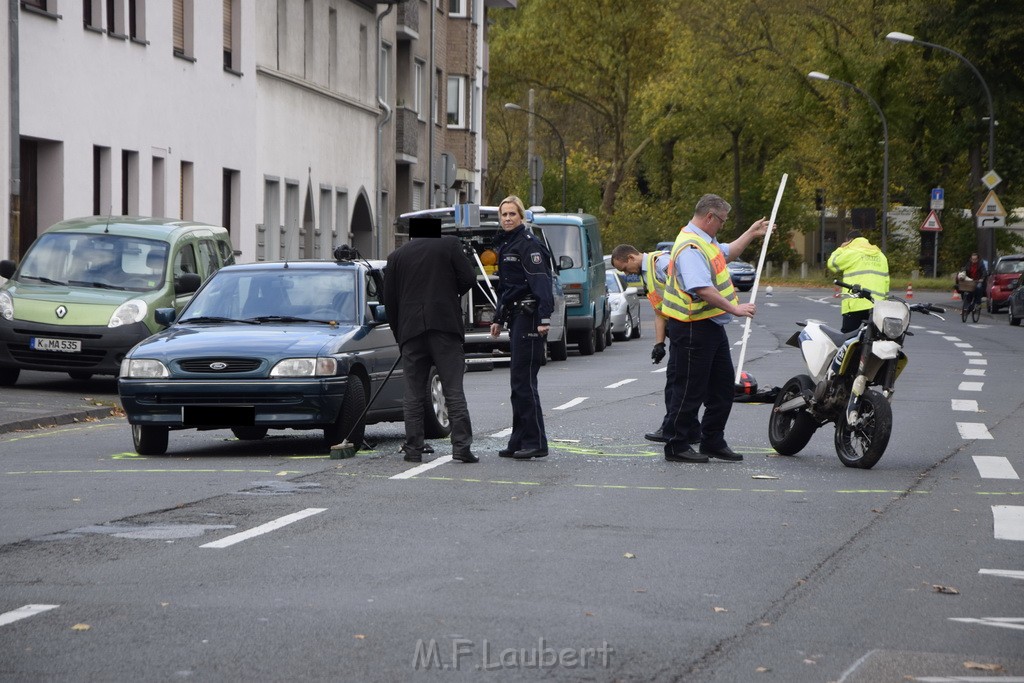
[(862, 446), (789, 432)]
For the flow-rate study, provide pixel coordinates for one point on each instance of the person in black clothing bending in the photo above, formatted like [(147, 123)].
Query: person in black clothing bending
[(423, 281), (525, 304)]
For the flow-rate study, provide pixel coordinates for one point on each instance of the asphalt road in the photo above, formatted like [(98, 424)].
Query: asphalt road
[(600, 562)]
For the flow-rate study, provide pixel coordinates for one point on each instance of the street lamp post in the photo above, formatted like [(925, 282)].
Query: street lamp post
[(898, 37), (818, 76), (512, 106)]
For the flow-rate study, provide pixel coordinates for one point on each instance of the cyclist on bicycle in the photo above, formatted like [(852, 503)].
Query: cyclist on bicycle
[(970, 281)]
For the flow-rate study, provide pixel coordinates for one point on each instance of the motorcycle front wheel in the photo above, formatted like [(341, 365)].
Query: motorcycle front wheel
[(862, 446), (789, 432)]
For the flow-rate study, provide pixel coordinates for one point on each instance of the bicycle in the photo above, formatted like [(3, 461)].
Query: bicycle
[(970, 307)]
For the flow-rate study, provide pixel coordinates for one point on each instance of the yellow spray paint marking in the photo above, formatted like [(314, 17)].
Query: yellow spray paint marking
[(127, 455), (154, 471)]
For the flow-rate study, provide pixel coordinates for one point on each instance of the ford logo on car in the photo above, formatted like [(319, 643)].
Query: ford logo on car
[(218, 366)]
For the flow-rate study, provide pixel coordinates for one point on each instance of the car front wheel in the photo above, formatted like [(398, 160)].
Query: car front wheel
[(149, 440)]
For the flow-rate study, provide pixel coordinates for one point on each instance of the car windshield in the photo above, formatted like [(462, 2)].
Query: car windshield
[(283, 294), (1009, 266), (94, 260), (565, 240), (614, 285)]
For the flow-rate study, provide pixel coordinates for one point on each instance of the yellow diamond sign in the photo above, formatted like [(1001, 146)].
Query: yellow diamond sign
[(991, 179)]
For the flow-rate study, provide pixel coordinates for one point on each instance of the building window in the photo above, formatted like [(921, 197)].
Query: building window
[(385, 72), (436, 104), (129, 183), (332, 48), (184, 21), (418, 190), (92, 14), (157, 208), (308, 53), (101, 181), (186, 206), (458, 8), (232, 22), (456, 102), (40, 5), (137, 20), (115, 18), (419, 87), (229, 200)]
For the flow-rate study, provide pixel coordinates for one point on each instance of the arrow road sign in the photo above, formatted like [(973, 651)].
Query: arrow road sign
[(991, 222)]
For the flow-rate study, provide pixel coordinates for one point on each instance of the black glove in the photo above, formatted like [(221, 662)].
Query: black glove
[(658, 353)]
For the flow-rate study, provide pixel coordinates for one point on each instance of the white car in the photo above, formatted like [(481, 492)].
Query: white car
[(625, 305)]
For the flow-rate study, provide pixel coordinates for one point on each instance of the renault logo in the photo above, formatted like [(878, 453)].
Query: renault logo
[(218, 366), (61, 311)]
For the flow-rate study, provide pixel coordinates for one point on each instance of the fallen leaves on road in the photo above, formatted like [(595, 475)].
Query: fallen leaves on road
[(982, 667), (359, 636), (720, 609), (81, 627), (763, 476), (629, 556), (948, 590)]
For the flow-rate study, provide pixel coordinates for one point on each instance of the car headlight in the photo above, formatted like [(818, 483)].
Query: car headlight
[(305, 367), (6, 306), (128, 313), (139, 368)]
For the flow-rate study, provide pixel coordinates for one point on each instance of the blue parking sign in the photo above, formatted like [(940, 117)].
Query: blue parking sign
[(938, 199)]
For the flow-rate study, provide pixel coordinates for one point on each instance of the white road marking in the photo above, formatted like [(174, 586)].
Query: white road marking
[(622, 383), (1003, 573), (773, 305), (973, 430), (972, 353), (964, 404), (952, 338), (420, 469), (24, 613), (963, 345), (503, 432), (977, 361), (970, 386), (1001, 622), (974, 372), (569, 404), (994, 467), (1008, 522), (664, 369), (929, 331), (263, 528), (969, 679)]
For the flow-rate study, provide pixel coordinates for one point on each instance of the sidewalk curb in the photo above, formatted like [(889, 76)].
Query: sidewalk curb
[(58, 420)]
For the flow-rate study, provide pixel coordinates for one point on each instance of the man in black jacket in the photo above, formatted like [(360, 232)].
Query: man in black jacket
[(423, 282)]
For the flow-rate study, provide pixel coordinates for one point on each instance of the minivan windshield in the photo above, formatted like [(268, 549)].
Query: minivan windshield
[(565, 240), (91, 260)]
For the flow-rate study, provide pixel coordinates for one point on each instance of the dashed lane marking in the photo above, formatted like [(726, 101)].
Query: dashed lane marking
[(569, 404), (970, 386), (972, 353), (263, 528), (974, 372), (24, 613), (994, 467), (952, 339), (1003, 573), (973, 430), (964, 405), (1015, 623), (425, 467), (664, 369), (1008, 522), (502, 433), (621, 383), (977, 361), (963, 345)]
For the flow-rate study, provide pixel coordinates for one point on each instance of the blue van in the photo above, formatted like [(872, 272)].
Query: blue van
[(578, 236)]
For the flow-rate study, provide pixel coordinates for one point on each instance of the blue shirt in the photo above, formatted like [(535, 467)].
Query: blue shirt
[(695, 270)]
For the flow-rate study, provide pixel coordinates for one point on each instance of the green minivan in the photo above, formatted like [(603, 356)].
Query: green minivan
[(86, 291)]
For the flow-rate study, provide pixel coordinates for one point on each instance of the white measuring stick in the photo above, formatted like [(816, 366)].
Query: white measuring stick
[(757, 275)]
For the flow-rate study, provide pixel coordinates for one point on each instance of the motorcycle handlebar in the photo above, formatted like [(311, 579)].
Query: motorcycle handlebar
[(855, 290)]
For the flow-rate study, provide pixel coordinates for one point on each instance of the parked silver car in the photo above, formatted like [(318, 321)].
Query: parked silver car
[(625, 305)]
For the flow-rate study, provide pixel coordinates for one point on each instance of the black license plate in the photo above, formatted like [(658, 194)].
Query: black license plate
[(218, 416)]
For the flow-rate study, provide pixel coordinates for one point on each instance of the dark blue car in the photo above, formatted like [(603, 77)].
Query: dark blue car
[(285, 345)]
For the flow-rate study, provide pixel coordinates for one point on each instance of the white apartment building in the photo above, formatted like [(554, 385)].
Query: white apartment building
[(274, 118)]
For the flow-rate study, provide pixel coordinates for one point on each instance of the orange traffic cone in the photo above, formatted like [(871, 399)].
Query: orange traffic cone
[(910, 290), (956, 295)]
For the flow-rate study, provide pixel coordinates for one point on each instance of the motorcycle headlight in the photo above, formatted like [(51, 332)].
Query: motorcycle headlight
[(305, 367), (128, 313), (892, 328), (6, 306), (138, 368)]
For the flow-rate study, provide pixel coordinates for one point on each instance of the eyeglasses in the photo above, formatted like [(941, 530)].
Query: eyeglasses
[(718, 217)]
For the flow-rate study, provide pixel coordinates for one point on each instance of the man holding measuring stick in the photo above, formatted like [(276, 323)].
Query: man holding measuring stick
[(699, 301)]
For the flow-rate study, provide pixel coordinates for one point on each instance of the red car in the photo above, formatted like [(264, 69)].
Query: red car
[(1007, 270)]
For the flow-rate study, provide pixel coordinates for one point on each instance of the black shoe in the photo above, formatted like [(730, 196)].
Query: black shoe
[(506, 452), (412, 457), (723, 453), (427, 448), (658, 436), (466, 456), (689, 455), (530, 453)]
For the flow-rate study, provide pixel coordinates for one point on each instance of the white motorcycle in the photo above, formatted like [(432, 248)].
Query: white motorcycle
[(842, 367)]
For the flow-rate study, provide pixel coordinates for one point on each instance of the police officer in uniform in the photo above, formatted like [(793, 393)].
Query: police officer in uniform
[(525, 304)]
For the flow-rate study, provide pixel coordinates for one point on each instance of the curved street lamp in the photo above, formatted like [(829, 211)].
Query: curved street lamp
[(898, 37), (818, 76), (512, 106)]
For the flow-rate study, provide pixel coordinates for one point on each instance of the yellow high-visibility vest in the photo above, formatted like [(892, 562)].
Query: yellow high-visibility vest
[(680, 304), (655, 289)]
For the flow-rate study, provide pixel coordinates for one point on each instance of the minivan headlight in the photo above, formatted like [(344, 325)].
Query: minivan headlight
[(305, 367), (128, 313), (6, 306)]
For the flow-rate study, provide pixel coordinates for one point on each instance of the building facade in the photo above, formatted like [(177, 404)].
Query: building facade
[(298, 125)]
